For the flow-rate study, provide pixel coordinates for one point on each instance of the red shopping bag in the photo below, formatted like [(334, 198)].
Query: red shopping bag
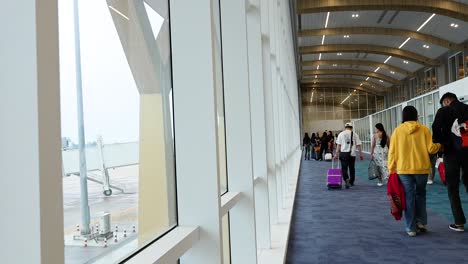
[(441, 169)]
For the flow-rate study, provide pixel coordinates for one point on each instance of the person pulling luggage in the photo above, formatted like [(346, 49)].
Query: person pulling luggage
[(347, 142)]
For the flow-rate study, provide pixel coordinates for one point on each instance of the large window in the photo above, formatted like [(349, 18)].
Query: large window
[(456, 66), (118, 148), (338, 104)]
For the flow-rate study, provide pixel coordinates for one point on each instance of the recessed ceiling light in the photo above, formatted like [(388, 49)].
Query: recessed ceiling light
[(360, 84), (346, 36), (334, 65), (339, 54), (454, 25), (355, 15), (392, 72), (381, 81), (354, 90), (315, 76), (425, 46), (405, 62)]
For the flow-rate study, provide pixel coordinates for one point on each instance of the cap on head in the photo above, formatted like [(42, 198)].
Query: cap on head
[(348, 125), (451, 96)]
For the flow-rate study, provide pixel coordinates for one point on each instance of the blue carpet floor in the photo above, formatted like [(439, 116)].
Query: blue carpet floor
[(355, 226)]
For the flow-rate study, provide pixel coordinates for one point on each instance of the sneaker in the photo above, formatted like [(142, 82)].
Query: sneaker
[(458, 228), (411, 233), (380, 184), (347, 184), (421, 228), (430, 182)]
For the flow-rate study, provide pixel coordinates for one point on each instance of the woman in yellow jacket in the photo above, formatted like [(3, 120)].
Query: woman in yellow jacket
[(410, 146)]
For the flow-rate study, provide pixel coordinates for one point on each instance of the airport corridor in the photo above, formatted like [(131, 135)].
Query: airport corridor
[(355, 225)]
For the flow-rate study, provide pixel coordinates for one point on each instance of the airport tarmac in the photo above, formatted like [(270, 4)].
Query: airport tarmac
[(122, 207)]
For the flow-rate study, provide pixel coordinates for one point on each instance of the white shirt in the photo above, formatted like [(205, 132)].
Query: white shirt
[(344, 139)]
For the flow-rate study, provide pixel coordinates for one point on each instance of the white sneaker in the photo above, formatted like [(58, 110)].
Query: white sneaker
[(411, 233), (430, 182), (379, 184)]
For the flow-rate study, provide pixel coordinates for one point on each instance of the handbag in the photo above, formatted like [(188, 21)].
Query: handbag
[(373, 170)]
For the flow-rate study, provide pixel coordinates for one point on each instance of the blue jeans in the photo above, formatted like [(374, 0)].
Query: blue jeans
[(415, 192)]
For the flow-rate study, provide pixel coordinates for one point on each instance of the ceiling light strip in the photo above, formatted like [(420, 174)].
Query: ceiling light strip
[(346, 98), (378, 68), (402, 44), (367, 78), (320, 56), (389, 57), (326, 20), (425, 22), (312, 97), (323, 39)]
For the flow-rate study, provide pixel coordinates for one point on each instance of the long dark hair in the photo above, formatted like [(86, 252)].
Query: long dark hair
[(384, 139), (306, 136), (410, 114)]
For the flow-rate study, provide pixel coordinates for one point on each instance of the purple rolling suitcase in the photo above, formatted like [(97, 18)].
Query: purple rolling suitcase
[(334, 179)]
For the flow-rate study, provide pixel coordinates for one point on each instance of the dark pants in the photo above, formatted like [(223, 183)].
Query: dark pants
[(433, 159), (324, 150), (306, 152), (348, 161), (454, 163)]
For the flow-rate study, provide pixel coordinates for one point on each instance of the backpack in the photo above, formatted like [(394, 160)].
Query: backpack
[(459, 130)]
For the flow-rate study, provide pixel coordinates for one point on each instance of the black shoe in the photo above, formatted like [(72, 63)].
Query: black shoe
[(421, 228), (458, 228), (352, 184), (347, 184)]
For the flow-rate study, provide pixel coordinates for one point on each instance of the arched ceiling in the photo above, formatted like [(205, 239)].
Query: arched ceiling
[(379, 42)]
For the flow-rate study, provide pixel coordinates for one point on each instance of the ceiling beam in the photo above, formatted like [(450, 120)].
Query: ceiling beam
[(360, 63), (345, 81), (347, 86), (407, 55), (382, 31), (372, 74), (442, 7)]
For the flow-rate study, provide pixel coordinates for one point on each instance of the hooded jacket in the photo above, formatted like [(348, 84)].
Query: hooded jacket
[(410, 146)]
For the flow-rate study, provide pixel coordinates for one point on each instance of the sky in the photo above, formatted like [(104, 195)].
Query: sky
[(110, 95)]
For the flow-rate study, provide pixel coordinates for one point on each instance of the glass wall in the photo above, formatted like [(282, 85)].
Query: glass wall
[(117, 128), (426, 105), (337, 104)]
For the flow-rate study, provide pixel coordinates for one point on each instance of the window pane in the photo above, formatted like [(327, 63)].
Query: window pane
[(226, 239), (126, 195), (220, 102)]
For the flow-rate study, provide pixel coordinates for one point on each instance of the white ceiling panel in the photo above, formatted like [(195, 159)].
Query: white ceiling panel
[(440, 27), (390, 41), (416, 46)]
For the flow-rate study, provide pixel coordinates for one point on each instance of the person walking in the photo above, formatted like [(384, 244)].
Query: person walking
[(312, 143), (317, 149), (306, 145), (324, 147), (379, 152), (331, 142), (453, 113), (347, 142), (410, 146)]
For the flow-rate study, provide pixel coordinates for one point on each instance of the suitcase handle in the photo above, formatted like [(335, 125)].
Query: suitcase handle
[(333, 162)]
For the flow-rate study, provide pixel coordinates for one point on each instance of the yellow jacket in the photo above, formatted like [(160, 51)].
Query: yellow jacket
[(410, 146)]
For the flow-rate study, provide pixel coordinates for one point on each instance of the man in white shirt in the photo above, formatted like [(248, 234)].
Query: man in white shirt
[(347, 142)]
